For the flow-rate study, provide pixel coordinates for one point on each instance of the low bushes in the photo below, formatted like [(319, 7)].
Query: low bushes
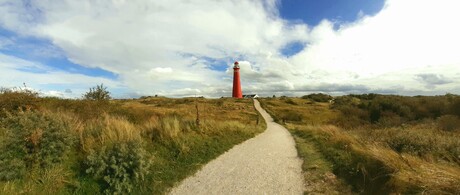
[(62, 146), (17, 99), (449, 123), (33, 140), (290, 101), (119, 165), (391, 111), (116, 155), (318, 97)]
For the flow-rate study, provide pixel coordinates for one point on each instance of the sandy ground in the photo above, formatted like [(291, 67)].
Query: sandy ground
[(265, 164)]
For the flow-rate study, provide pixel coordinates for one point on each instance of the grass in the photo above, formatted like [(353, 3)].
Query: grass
[(416, 157), (317, 170), (161, 134)]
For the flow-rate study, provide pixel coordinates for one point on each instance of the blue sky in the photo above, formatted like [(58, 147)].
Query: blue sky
[(313, 12), (287, 47)]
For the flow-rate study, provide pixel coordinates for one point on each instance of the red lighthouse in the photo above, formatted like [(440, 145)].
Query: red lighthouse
[(236, 82)]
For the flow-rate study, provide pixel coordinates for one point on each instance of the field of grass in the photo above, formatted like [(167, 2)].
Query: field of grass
[(140, 146), (410, 149)]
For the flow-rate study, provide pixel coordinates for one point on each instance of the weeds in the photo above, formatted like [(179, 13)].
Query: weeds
[(17, 99), (33, 139), (125, 146), (116, 146), (449, 123), (384, 144)]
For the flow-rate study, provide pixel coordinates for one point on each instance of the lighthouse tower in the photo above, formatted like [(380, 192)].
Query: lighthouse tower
[(236, 81)]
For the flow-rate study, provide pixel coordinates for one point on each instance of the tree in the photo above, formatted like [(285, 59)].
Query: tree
[(97, 93)]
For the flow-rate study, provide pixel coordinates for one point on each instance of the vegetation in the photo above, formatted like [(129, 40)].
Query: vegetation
[(97, 93), (17, 99), (143, 146), (318, 97), (32, 140), (380, 143)]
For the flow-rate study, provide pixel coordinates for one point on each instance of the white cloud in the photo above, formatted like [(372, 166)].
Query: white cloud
[(406, 38), (14, 72), (163, 70), (162, 47), (137, 40)]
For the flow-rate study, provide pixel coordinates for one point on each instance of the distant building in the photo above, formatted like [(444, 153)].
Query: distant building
[(250, 96)]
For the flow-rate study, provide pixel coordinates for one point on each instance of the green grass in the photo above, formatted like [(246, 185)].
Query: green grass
[(317, 170)]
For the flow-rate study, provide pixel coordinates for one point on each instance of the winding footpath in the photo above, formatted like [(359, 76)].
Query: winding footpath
[(265, 164)]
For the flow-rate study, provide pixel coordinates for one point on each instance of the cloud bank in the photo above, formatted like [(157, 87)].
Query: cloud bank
[(180, 48)]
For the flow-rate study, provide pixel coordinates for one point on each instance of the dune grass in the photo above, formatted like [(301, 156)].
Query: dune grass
[(414, 157), (159, 137)]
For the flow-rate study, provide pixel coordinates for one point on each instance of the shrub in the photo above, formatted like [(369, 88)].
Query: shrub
[(351, 117), (345, 100), (291, 116), (116, 156), (33, 139), (290, 101), (455, 107), (390, 119), (448, 123), (119, 165), (318, 97), (97, 93), (12, 100)]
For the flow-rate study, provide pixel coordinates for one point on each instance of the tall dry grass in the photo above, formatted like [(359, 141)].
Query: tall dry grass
[(374, 168), (415, 157), (107, 130), (159, 135)]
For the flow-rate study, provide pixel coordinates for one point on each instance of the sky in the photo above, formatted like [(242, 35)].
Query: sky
[(180, 48)]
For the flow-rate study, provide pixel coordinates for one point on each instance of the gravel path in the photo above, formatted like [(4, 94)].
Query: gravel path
[(265, 164)]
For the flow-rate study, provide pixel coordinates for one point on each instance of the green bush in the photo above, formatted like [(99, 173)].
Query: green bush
[(318, 97), (12, 100), (290, 101), (32, 140), (346, 101), (97, 93), (119, 166)]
